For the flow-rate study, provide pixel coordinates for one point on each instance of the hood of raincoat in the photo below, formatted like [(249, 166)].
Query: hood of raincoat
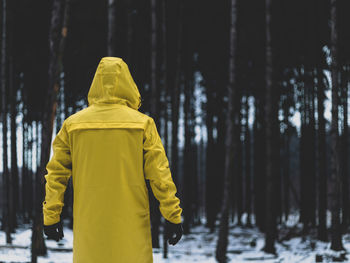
[(113, 84)]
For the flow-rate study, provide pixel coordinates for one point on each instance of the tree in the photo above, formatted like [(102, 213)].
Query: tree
[(238, 169), (307, 153), (286, 106), (230, 142), (57, 37), (344, 150), (155, 215), (14, 167), (270, 216), (13, 84), (165, 94), (335, 181), (24, 175), (4, 79), (188, 151), (175, 98), (111, 38), (248, 190), (322, 161), (259, 162)]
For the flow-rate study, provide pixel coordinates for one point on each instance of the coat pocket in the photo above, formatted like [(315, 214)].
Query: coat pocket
[(139, 199)]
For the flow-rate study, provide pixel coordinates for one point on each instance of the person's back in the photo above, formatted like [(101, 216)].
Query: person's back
[(110, 148)]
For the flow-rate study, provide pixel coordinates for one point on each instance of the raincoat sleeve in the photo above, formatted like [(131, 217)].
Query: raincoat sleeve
[(156, 169), (59, 170)]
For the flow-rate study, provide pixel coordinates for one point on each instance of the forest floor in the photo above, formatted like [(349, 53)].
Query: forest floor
[(245, 245)]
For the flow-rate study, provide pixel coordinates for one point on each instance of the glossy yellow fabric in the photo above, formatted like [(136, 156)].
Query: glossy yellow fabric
[(109, 149)]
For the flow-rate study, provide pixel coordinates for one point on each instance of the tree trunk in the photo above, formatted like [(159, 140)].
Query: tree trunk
[(270, 217), (154, 90), (164, 77), (24, 173), (322, 162), (335, 182), (111, 38), (165, 105), (175, 101), (14, 167), (307, 143), (248, 189), (188, 187), (6, 176), (302, 177), (188, 159), (129, 35), (230, 142), (57, 37), (312, 166), (155, 214), (30, 170), (259, 163), (210, 174), (59, 110), (344, 152), (286, 161), (239, 167)]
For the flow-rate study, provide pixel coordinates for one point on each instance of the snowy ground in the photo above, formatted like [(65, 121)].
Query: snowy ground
[(244, 246)]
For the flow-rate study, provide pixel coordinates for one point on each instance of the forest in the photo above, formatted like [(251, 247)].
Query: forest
[(250, 98)]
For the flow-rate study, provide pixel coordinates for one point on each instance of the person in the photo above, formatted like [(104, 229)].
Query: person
[(110, 149)]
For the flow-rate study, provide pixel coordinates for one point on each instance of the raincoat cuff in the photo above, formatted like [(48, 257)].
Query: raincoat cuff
[(176, 220), (50, 221)]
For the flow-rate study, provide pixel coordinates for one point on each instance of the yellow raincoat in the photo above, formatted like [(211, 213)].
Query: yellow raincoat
[(109, 149)]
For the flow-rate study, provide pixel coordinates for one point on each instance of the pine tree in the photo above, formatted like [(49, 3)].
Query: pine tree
[(230, 144), (335, 197), (270, 216)]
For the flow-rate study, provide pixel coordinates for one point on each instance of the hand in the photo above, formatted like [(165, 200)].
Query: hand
[(172, 229), (54, 232)]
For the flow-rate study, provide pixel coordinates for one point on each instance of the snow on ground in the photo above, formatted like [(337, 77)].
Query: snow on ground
[(245, 245)]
